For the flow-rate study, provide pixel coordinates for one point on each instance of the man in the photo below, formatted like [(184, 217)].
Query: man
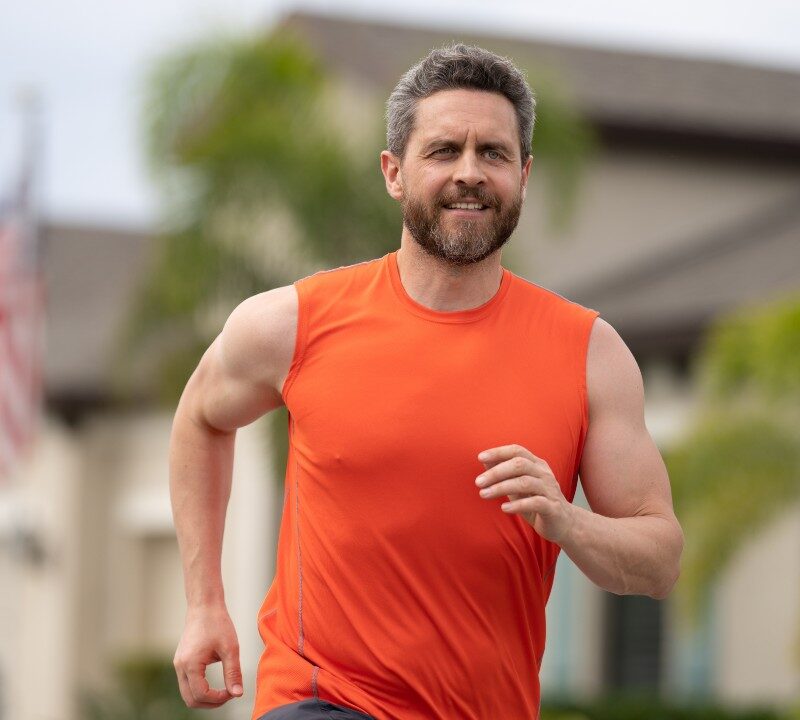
[(439, 413)]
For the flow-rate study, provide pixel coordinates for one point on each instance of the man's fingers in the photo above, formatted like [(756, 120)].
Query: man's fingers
[(183, 686), (504, 452), (523, 485), (202, 692), (186, 693), (514, 467), (232, 671)]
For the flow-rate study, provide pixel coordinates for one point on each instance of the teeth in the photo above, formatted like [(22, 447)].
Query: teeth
[(466, 206)]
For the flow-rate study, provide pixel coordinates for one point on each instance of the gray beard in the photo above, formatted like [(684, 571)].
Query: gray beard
[(469, 241)]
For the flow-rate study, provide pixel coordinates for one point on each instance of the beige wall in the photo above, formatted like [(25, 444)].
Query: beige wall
[(98, 500), (758, 623), (38, 628)]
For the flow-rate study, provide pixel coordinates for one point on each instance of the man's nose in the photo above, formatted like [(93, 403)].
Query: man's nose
[(468, 169)]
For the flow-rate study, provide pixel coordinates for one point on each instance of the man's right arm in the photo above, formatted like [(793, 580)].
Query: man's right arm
[(239, 378)]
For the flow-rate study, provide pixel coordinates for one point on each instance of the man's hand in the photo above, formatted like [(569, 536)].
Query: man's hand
[(208, 637), (532, 489)]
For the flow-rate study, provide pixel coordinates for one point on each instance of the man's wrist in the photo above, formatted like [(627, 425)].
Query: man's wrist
[(207, 601), (569, 538)]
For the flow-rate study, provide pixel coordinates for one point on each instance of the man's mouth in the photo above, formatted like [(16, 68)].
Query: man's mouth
[(466, 207)]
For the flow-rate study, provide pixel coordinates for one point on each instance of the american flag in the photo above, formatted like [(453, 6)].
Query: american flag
[(22, 323)]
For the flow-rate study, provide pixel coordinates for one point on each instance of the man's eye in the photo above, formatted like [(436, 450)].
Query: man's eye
[(494, 154)]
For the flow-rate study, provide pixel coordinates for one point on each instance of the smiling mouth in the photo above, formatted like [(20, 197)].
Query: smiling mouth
[(471, 209)]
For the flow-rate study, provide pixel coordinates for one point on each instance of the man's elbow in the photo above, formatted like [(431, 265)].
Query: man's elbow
[(665, 590), (674, 565)]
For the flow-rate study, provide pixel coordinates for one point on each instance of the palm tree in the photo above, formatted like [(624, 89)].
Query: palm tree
[(739, 468)]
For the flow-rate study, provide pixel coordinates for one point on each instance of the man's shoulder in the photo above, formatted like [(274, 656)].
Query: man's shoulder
[(270, 310), (341, 274), (261, 331), (536, 293), (612, 373)]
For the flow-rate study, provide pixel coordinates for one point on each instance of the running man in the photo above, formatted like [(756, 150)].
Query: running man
[(441, 409)]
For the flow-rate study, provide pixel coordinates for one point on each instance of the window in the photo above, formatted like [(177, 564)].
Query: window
[(633, 643)]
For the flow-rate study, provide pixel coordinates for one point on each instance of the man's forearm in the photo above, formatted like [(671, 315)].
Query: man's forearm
[(627, 556), (200, 469)]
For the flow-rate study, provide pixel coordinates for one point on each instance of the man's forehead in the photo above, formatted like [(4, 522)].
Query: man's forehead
[(457, 133), (497, 137), (453, 114)]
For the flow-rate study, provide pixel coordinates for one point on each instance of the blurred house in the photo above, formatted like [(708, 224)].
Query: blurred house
[(690, 208)]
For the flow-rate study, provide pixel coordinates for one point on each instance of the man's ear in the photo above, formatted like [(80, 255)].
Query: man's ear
[(390, 167), (525, 174)]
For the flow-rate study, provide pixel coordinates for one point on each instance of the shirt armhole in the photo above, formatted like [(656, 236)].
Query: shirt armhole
[(300, 339), (583, 354)]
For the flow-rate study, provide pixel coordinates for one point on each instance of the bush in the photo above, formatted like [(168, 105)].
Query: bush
[(144, 688)]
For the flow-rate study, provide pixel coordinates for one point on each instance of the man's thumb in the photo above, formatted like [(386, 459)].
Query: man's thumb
[(232, 673)]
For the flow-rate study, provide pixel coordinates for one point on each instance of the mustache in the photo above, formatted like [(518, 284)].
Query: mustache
[(476, 195)]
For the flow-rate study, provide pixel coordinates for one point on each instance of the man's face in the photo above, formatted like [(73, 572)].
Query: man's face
[(464, 148)]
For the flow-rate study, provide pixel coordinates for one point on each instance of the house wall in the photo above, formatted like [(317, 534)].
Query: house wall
[(144, 580), (40, 581), (757, 649), (112, 583)]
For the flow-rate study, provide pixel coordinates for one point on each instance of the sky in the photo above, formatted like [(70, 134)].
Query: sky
[(86, 60)]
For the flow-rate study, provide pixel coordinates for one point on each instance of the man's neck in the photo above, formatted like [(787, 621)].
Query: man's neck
[(441, 286)]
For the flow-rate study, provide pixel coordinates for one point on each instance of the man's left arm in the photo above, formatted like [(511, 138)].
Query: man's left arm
[(630, 543)]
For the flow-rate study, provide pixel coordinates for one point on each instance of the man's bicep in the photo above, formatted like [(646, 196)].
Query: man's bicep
[(239, 377), (622, 472)]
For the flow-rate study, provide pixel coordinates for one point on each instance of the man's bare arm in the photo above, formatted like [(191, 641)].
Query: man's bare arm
[(235, 383), (631, 542), (238, 379)]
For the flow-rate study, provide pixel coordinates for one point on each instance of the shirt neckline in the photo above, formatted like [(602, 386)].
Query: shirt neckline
[(444, 316)]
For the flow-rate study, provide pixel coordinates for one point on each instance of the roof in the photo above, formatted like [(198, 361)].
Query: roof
[(664, 302), (611, 87), (91, 276)]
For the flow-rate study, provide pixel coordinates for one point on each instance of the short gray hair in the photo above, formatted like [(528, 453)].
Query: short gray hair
[(452, 67)]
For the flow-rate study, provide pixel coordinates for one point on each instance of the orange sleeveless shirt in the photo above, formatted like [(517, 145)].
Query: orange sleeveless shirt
[(399, 591)]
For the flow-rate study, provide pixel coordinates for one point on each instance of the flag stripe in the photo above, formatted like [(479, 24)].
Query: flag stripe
[(22, 317)]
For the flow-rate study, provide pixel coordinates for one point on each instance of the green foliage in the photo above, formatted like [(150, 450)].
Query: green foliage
[(166, 330), (739, 468), (248, 121), (144, 688), (238, 137), (563, 142), (757, 349)]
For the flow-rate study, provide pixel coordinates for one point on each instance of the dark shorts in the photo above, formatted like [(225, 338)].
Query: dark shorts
[(314, 709)]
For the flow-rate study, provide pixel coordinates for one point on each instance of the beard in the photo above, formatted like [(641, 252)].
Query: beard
[(460, 240)]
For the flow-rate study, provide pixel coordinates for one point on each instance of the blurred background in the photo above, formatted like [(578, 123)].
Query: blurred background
[(160, 163)]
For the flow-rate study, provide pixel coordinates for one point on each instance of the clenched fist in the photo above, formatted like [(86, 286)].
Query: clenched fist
[(208, 637)]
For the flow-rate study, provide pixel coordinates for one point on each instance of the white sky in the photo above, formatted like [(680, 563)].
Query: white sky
[(87, 59)]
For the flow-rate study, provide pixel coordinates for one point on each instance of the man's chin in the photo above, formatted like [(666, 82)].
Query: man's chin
[(462, 254)]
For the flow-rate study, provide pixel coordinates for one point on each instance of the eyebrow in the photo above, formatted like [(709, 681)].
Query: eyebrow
[(491, 145)]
